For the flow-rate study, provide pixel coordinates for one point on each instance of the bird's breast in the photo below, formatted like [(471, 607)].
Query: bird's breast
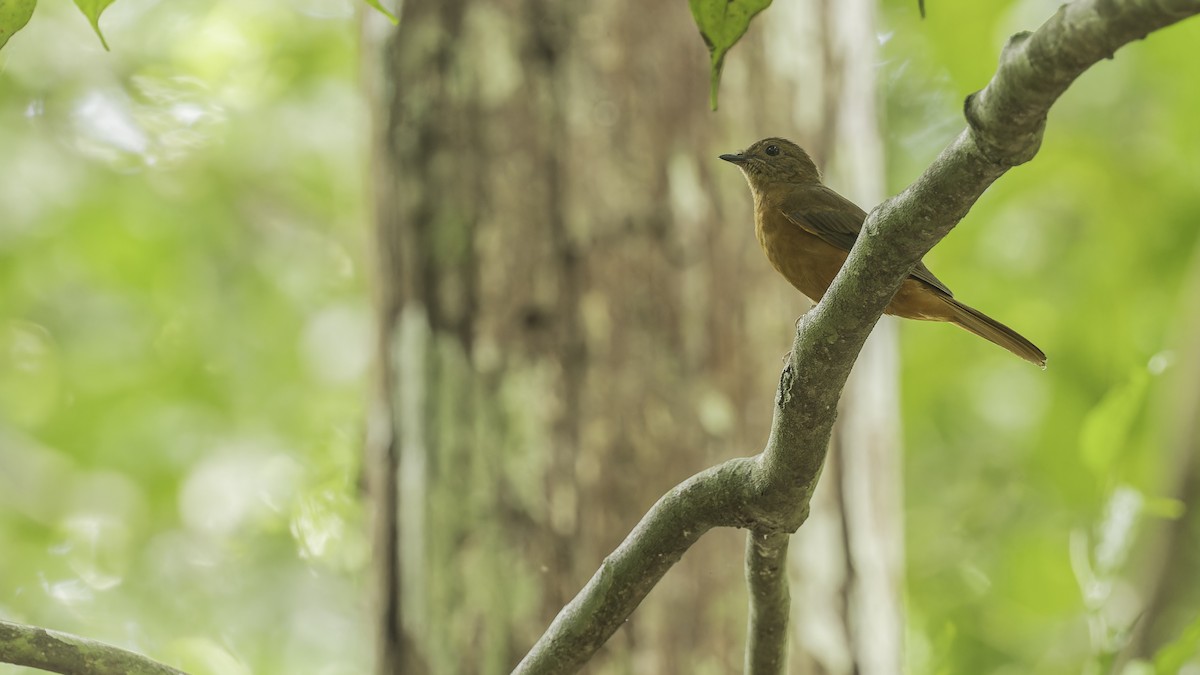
[(804, 259)]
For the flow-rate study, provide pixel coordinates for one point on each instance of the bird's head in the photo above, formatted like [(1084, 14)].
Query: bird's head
[(775, 161)]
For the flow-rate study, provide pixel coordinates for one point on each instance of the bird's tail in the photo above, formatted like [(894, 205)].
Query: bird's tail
[(993, 331)]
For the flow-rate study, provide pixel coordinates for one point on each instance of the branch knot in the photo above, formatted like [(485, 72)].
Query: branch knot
[(1003, 152)]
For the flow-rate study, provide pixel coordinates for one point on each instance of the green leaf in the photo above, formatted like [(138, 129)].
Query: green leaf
[(92, 9), (383, 10), (1164, 507), (722, 23), (14, 14)]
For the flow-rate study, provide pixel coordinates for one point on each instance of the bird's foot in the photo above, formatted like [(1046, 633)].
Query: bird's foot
[(801, 317)]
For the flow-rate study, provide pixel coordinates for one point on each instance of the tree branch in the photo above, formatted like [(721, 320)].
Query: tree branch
[(770, 603), (770, 493), (717, 497), (57, 652)]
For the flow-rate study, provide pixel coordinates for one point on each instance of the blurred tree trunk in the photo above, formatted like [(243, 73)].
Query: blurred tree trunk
[(1169, 555), (574, 316), (848, 559)]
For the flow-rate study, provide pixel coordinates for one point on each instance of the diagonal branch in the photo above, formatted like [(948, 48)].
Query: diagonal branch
[(57, 652), (769, 494), (718, 497)]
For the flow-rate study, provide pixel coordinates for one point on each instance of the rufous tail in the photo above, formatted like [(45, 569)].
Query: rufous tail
[(993, 331)]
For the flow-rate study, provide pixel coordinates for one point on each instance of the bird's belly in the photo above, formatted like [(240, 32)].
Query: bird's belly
[(805, 260)]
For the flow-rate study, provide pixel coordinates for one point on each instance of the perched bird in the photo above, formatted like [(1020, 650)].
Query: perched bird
[(807, 229)]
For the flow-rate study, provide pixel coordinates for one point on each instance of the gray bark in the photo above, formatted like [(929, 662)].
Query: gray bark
[(58, 652)]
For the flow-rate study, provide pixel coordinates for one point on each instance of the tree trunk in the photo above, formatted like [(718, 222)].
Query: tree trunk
[(574, 316), (1168, 556)]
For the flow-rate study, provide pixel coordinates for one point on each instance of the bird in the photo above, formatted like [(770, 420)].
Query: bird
[(807, 229)]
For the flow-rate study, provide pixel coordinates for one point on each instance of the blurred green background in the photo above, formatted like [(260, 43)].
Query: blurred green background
[(185, 329), (1037, 502), (184, 332)]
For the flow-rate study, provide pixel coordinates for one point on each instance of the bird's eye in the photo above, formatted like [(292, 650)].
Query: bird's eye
[(772, 150)]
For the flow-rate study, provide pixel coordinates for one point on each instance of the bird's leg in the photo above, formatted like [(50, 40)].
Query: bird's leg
[(803, 314)]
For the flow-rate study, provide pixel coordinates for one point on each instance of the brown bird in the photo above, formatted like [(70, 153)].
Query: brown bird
[(807, 229)]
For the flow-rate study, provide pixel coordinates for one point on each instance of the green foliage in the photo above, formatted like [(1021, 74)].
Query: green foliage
[(722, 23), (383, 10), (184, 331), (1090, 250), (14, 14), (1176, 654), (183, 321), (92, 10), (1107, 427)]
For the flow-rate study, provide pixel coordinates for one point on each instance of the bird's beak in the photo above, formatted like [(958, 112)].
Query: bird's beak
[(738, 158)]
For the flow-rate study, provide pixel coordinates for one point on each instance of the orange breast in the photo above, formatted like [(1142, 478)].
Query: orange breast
[(804, 259)]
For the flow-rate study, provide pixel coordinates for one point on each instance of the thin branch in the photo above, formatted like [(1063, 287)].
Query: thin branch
[(770, 603), (68, 654), (770, 493), (717, 497)]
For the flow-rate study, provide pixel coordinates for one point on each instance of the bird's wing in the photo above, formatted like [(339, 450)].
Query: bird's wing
[(823, 212), (836, 220), (922, 273)]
